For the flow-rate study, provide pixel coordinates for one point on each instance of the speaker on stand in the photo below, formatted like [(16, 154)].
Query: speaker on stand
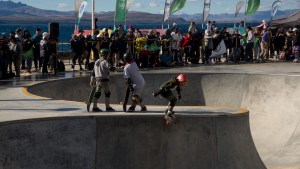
[(53, 29)]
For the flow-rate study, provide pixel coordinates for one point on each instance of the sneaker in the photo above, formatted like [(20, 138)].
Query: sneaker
[(96, 109), (144, 108), (110, 109), (131, 109), (171, 114)]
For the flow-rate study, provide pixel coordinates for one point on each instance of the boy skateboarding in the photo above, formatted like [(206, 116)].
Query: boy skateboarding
[(134, 81), (166, 92), (99, 80)]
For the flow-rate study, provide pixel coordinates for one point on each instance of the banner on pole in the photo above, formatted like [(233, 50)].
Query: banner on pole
[(206, 9), (239, 6), (120, 10), (252, 6), (81, 10), (128, 5), (177, 5), (77, 5), (275, 7), (167, 10)]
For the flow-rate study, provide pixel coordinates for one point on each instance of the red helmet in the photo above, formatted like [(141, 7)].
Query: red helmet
[(182, 79)]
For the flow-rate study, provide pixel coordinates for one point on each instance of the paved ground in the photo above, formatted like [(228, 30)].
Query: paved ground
[(271, 91)]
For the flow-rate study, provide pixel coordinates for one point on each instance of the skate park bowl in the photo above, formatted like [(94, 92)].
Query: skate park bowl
[(268, 136)]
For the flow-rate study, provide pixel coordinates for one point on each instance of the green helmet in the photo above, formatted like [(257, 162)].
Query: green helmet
[(104, 52)]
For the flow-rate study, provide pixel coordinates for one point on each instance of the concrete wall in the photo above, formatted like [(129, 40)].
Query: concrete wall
[(129, 141), (67, 143)]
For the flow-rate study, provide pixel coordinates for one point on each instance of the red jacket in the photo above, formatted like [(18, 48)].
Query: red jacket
[(186, 41)]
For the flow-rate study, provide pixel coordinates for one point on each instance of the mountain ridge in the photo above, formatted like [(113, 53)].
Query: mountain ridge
[(12, 12)]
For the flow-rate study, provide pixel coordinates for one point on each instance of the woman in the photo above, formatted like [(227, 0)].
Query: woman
[(192, 27)]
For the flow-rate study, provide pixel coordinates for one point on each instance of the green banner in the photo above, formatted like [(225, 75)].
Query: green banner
[(177, 5), (120, 10), (252, 6)]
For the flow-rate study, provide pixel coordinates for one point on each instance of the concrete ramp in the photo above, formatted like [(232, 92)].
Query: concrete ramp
[(132, 141), (273, 102)]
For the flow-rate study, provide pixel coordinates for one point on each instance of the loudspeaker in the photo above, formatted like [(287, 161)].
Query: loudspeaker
[(53, 29)]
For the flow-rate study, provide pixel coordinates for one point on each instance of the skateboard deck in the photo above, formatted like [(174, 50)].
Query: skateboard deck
[(126, 98), (91, 97), (169, 120)]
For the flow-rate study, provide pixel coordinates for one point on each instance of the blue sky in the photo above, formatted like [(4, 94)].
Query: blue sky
[(157, 6)]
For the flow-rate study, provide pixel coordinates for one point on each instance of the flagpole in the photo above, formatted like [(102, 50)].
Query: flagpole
[(115, 17), (93, 15), (246, 6)]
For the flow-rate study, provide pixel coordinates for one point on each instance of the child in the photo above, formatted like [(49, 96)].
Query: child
[(100, 76), (165, 91), (135, 81)]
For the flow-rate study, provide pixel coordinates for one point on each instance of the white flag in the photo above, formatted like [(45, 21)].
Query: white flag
[(167, 11), (77, 5), (81, 9), (128, 5), (220, 50), (275, 7), (239, 6), (206, 9)]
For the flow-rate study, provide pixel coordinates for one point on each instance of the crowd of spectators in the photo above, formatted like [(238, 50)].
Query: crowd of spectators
[(173, 47)]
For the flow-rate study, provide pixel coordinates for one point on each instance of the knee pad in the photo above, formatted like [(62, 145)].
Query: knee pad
[(136, 99), (172, 102), (107, 94), (97, 95)]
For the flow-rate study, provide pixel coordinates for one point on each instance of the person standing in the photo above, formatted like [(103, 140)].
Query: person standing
[(208, 40), (36, 48), (45, 52), (176, 39), (27, 54), (100, 78), (296, 44), (135, 81), (249, 45), (20, 40), (192, 27), (264, 45), (15, 50)]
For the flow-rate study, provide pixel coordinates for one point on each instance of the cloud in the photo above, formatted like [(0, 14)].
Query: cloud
[(138, 5), (153, 4), (62, 5)]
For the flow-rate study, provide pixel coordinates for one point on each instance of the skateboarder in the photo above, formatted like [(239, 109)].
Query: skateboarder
[(135, 82), (165, 92), (100, 78)]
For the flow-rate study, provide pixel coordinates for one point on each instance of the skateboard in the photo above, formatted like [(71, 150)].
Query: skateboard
[(126, 98), (169, 120), (91, 97)]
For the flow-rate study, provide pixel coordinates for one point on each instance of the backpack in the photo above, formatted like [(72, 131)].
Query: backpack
[(61, 66)]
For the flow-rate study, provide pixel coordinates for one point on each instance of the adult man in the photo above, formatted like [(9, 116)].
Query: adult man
[(250, 44), (36, 48), (135, 81)]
